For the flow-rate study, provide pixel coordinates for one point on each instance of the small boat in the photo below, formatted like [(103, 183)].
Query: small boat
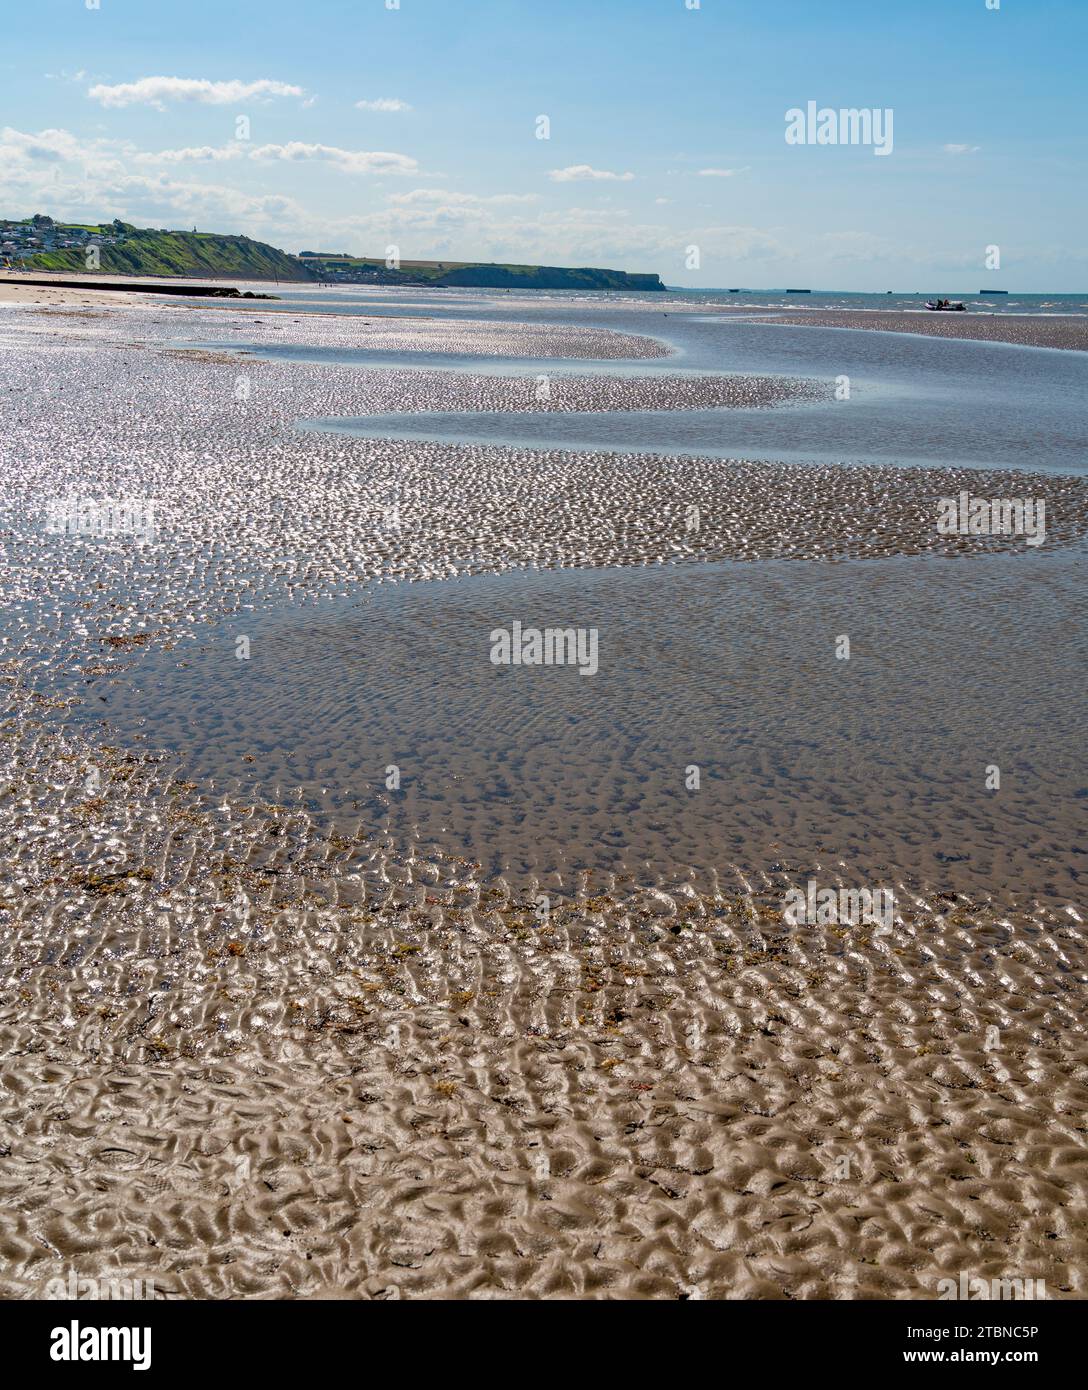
[(945, 305)]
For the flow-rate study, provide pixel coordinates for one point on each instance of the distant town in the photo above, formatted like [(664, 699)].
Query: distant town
[(34, 235)]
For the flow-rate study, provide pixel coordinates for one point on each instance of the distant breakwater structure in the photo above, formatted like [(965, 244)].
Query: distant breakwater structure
[(134, 287)]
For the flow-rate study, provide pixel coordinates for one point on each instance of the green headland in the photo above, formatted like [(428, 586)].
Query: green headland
[(119, 248)]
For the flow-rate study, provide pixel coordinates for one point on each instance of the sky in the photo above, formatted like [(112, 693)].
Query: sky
[(373, 125)]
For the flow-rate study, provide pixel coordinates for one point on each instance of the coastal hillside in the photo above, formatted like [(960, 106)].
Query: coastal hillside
[(127, 250), (369, 270), (41, 243)]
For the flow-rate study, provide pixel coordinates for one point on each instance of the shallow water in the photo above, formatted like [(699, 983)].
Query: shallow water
[(372, 299), (878, 761), (877, 764), (911, 399)]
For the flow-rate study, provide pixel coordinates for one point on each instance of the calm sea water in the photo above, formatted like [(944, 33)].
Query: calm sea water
[(369, 300)]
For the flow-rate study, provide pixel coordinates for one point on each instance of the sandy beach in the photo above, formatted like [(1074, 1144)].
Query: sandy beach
[(255, 1054)]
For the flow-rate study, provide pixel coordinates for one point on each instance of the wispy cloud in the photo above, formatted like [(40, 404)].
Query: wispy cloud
[(722, 173), (197, 154), (383, 104), (350, 161), (962, 149), (157, 91), (295, 152), (447, 198), (575, 173)]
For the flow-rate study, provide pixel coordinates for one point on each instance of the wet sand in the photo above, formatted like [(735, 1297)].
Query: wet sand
[(658, 1096), (251, 1055), (1024, 330)]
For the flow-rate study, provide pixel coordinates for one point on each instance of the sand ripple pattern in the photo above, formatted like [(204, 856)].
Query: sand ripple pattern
[(251, 1057), (447, 391), (153, 323), (660, 1095)]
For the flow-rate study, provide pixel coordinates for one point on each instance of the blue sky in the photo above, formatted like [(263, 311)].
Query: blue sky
[(667, 130)]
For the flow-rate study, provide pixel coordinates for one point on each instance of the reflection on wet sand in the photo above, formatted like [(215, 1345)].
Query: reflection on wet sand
[(262, 1042)]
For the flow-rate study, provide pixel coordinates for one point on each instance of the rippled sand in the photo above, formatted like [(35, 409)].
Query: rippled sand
[(249, 1054)]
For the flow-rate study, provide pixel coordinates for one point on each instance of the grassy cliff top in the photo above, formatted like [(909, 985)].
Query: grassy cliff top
[(147, 252), (129, 250)]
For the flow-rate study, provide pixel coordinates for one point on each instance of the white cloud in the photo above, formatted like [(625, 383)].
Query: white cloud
[(962, 149), (349, 161), (56, 173), (203, 202), (295, 152), (721, 173), (47, 147), (576, 172), (236, 188), (445, 196), (462, 228), (156, 91), (199, 154), (383, 104)]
